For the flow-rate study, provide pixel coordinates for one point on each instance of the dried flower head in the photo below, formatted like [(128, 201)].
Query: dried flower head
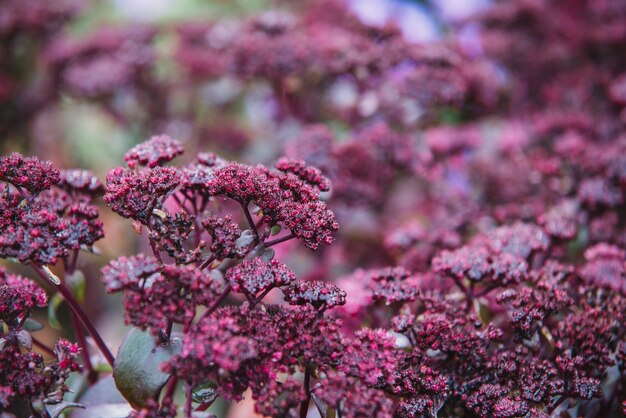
[(170, 233), (224, 235), (308, 174), (155, 151), (129, 273), (83, 182), (136, 194), (31, 231), (321, 295), (28, 173), (30, 379), (18, 297), (255, 278)]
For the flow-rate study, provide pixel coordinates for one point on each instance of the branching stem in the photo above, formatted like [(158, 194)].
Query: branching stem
[(279, 240), (304, 406), (82, 317), (216, 303)]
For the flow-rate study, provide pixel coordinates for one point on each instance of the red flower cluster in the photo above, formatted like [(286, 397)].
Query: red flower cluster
[(49, 223), (156, 296), (480, 180), (28, 173), (255, 278), (18, 297)]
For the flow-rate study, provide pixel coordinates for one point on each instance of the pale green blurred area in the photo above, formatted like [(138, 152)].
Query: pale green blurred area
[(81, 134), (164, 11)]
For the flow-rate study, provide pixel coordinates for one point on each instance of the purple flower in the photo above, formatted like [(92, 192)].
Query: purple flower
[(83, 182), (321, 295), (28, 173), (155, 151), (18, 297), (255, 278), (136, 194)]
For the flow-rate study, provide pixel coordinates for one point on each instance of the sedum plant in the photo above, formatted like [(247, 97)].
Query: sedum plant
[(479, 180)]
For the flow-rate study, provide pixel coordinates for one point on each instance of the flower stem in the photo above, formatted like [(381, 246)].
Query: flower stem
[(43, 346), (23, 192), (469, 296), (82, 317), (188, 402), (216, 303), (304, 406), (279, 240), (171, 387), (250, 220), (92, 375), (206, 262)]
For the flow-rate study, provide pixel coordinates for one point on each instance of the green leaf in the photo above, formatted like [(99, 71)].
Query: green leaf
[(204, 414), (56, 410), (32, 325), (450, 116), (137, 369), (103, 400), (245, 239), (325, 412), (53, 306), (102, 368), (76, 282), (25, 339)]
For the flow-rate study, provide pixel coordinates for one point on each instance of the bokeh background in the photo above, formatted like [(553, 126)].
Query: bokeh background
[(480, 88)]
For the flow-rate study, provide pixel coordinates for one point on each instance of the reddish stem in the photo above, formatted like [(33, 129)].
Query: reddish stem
[(171, 387), (43, 346), (279, 240), (76, 308), (486, 291), (468, 293), (70, 263), (188, 402), (23, 192), (216, 303), (155, 251), (206, 263), (250, 220), (304, 406), (92, 375)]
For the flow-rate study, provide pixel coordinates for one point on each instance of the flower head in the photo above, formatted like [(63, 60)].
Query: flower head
[(136, 194), (155, 151), (129, 273), (308, 174), (170, 233), (172, 295), (31, 231), (605, 267), (18, 297), (321, 295), (28, 173), (81, 181), (256, 277), (224, 235)]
